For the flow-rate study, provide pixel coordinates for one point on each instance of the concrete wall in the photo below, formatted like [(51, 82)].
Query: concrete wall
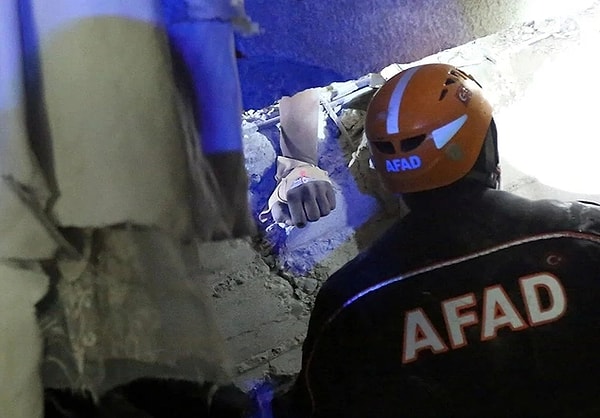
[(315, 42)]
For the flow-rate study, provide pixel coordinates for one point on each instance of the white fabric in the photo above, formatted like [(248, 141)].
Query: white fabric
[(111, 108), (20, 342), (117, 144), (21, 235), (110, 97), (136, 304)]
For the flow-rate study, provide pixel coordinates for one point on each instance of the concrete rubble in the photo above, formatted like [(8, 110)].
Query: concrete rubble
[(539, 77)]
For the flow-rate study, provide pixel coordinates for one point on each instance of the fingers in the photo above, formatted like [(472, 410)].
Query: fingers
[(326, 200), (311, 209), (330, 193), (297, 213), (322, 206), (309, 202)]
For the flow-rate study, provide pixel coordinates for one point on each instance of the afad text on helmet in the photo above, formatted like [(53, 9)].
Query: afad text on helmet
[(412, 162)]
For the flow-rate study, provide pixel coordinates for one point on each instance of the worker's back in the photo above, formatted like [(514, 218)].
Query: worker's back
[(483, 306)]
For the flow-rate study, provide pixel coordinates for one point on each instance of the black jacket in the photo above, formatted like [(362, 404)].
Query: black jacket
[(476, 304)]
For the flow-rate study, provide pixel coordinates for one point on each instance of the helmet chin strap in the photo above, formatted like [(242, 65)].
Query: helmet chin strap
[(491, 180), (487, 168)]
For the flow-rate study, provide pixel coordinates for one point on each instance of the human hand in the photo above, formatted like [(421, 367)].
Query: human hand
[(304, 193), (306, 202)]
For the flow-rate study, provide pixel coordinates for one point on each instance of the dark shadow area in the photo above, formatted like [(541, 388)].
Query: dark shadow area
[(265, 79), (36, 116), (165, 398)]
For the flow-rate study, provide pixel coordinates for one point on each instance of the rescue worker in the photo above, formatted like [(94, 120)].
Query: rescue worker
[(477, 303)]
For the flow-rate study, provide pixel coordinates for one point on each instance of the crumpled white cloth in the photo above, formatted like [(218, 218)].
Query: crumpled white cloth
[(20, 341)]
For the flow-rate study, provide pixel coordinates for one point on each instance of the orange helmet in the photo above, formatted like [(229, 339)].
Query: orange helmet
[(426, 127)]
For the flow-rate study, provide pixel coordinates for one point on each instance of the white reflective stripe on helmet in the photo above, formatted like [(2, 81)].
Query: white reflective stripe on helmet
[(393, 116)]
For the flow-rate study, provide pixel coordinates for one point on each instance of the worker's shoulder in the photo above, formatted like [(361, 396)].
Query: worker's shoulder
[(512, 200), (552, 214)]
